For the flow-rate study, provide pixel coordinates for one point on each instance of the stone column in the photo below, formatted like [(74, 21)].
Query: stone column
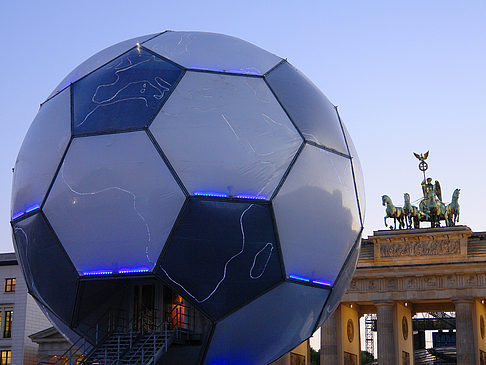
[(386, 341), (466, 338), (329, 341)]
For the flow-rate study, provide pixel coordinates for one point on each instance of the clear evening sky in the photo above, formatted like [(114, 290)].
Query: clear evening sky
[(408, 76)]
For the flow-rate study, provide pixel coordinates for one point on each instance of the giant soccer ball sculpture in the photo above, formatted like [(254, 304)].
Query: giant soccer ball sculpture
[(189, 182)]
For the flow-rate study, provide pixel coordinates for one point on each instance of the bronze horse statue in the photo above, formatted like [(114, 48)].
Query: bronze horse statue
[(452, 210), (412, 213), (394, 212)]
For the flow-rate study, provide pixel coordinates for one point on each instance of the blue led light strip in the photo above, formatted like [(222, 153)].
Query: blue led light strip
[(111, 272), (300, 278), (317, 282), (245, 196), (130, 271), (208, 193), (32, 208), (27, 210), (16, 215), (325, 283), (223, 195), (230, 70), (99, 272)]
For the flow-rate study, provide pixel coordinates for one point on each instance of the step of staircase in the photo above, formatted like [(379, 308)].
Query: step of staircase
[(116, 349)]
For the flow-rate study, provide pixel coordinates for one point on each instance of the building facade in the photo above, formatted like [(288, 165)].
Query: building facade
[(19, 315)]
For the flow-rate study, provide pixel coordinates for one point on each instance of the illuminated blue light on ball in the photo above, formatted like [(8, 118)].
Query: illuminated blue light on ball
[(132, 271), (209, 193), (307, 280), (319, 282), (230, 70), (27, 210), (98, 272), (17, 215), (247, 196), (300, 278), (223, 195)]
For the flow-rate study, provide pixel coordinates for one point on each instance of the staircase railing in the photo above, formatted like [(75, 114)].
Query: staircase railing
[(72, 355), (76, 354), (181, 319), (137, 327), (105, 325), (140, 357)]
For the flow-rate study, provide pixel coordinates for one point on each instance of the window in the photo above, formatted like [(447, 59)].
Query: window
[(5, 356), (10, 285), (7, 330)]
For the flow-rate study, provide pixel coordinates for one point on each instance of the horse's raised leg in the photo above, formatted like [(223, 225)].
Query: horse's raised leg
[(385, 220)]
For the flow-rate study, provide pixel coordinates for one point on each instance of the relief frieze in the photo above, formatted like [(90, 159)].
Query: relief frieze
[(429, 282), (428, 248)]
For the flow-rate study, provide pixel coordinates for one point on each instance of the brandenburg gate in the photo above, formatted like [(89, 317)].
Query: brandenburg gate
[(408, 270), (403, 272)]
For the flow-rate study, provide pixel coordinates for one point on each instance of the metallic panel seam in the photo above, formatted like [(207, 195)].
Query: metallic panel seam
[(167, 162), (352, 167)]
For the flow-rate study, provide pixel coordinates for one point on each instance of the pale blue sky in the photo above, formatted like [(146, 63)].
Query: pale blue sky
[(408, 76)]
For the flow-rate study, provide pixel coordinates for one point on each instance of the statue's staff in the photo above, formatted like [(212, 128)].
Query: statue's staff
[(423, 166)]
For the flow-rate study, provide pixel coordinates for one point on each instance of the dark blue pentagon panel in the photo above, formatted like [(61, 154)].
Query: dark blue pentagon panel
[(44, 261), (312, 113), (124, 94), (221, 254), (265, 329), (98, 60)]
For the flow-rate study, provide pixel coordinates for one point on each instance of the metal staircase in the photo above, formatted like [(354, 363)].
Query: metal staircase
[(132, 348), (142, 343)]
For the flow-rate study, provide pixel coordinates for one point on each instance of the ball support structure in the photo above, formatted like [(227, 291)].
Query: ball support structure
[(203, 165)]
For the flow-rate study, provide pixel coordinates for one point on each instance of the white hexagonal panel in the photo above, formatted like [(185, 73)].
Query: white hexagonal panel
[(211, 51), (317, 215), (358, 173), (40, 154), (113, 203), (226, 135)]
